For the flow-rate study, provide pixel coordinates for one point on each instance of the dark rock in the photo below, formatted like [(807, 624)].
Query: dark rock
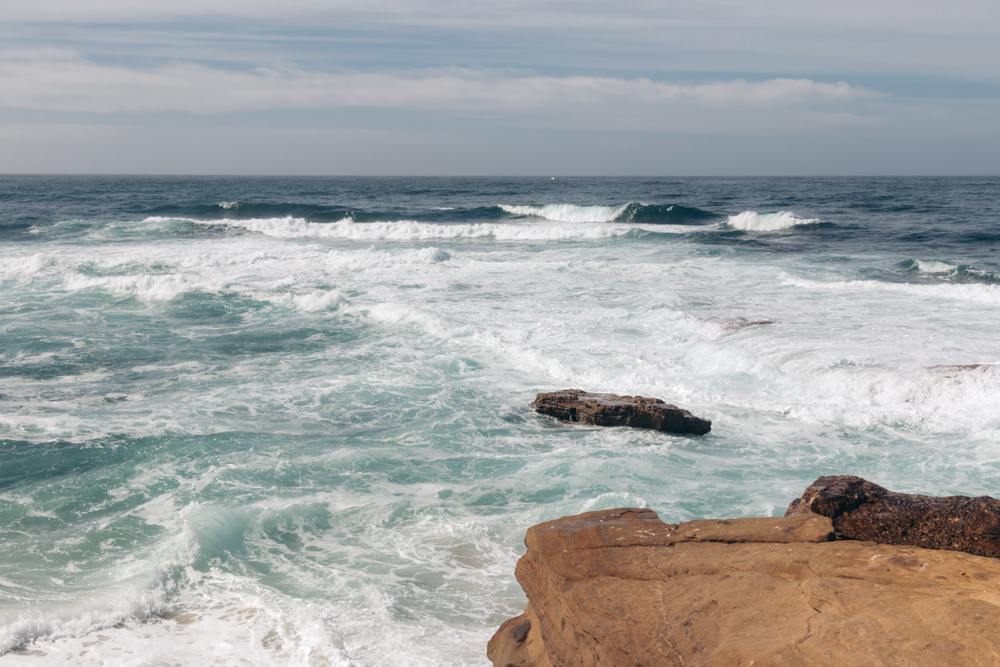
[(576, 406), (955, 371), (740, 323), (861, 510), (520, 631)]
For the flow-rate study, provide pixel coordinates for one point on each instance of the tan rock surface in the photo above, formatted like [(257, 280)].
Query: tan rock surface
[(620, 587)]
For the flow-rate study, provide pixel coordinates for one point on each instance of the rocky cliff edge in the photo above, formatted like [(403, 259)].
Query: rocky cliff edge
[(621, 587)]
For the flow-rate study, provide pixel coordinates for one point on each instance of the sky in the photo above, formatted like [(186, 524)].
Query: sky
[(548, 87)]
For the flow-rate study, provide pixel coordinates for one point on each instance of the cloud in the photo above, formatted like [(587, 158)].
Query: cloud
[(972, 16), (63, 81)]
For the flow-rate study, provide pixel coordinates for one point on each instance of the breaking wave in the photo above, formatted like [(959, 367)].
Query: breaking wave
[(941, 271), (752, 221), (986, 294), (631, 212), (410, 230)]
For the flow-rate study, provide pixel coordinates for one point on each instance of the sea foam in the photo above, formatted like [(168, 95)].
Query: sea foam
[(974, 292), (569, 212), (411, 230), (768, 222), (335, 416)]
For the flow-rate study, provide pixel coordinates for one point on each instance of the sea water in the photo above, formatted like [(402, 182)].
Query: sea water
[(285, 421)]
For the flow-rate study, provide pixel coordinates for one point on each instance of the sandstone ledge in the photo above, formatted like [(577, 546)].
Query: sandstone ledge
[(620, 587)]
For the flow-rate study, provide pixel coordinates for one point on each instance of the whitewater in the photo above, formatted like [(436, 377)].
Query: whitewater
[(284, 421)]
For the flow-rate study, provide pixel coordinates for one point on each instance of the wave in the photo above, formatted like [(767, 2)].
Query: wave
[(933, 266), (752, 221), (865, 394), (143, 592), (630, 212), (935, 270), (26, 265), (236, 210), (409, 230), (169, 287), (667, 214), (977, 293), (568, 212)]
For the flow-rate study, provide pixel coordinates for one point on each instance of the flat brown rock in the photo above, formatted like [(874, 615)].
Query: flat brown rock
[(861, 510), (575, 405), (621, 588)]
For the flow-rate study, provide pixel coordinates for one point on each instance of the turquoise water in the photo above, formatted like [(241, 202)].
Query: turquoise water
[(285, 421)]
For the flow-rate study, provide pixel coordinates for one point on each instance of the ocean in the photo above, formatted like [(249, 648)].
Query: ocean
[(285, 421)]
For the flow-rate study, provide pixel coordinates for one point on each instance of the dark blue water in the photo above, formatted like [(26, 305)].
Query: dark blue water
[(956, 218)]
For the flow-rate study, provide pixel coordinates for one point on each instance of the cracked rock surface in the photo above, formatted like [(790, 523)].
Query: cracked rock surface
[(620, 587)]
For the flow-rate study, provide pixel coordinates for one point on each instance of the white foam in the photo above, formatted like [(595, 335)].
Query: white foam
[(317, 301), (768, 222), (569, 212), (164, 287), (229, 204), (140, 596), (354, 260), (973, 292), (26, 265), (607, 501), (935, 267), (866, 395), (398, 313), (409, 230)]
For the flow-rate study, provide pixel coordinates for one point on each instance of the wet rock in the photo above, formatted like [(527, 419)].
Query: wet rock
[(861, 510), (961, 369), (620, 587), (740, 323), (577, 406)]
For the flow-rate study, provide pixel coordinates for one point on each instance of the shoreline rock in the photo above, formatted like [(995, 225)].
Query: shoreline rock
[(952, 371), (738, 324), (621, 587), (578, 406), (861, 510)]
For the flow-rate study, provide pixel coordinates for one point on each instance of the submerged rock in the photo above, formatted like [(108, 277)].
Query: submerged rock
[(575, 405), (961, 369), (861, 510), (740, 323), (620, 587)]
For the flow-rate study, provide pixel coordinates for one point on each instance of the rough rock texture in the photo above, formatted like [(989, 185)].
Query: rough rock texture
[(861, 510), (575, 405), (620, 588)]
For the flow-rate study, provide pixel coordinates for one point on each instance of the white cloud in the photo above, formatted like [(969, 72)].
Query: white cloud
[(852, 39), (60, 80), (792, 99)]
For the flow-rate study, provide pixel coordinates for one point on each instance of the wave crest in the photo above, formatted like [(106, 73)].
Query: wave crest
[(943, 271), (752, 221), (568, 212), (409, 230), (630, 212)]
